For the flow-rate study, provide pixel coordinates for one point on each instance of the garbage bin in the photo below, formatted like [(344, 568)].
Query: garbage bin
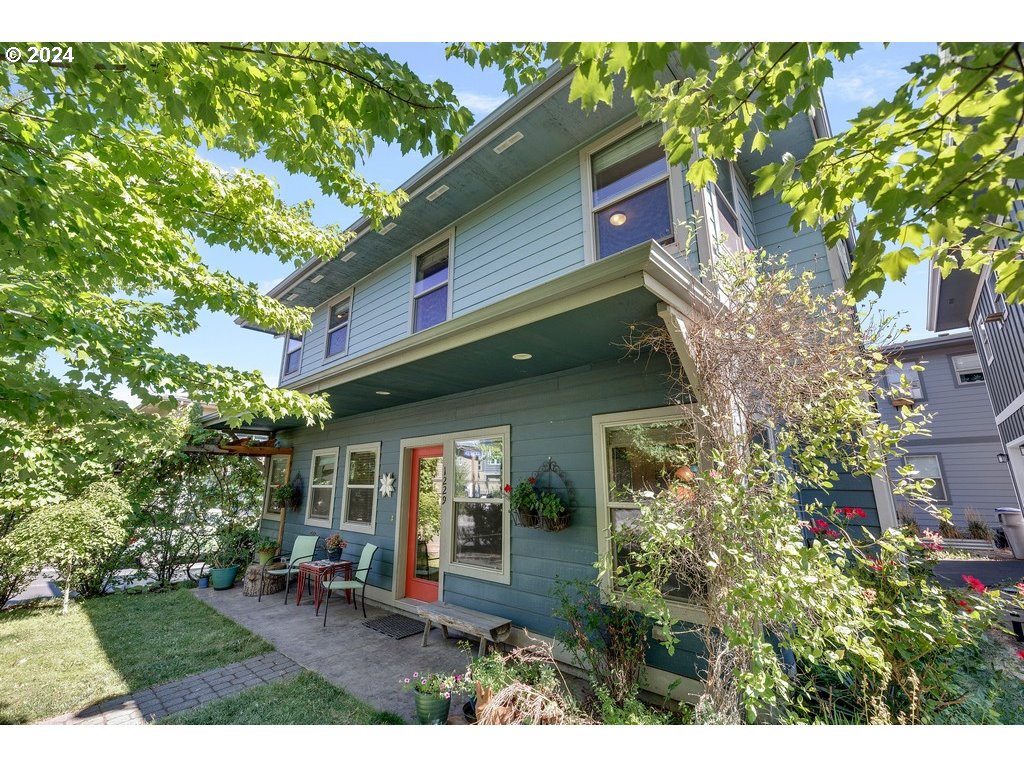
[(1013, 526)]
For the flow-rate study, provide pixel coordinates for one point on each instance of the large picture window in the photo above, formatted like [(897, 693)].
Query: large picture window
[(431, 287), (637, 452), (320, 501), (630, 201), (359, 505)]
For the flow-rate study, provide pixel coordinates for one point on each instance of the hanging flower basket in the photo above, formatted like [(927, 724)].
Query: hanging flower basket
[(525, 518), (555, 524)]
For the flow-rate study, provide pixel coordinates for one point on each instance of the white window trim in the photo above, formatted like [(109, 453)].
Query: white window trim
[(317, 522), (679, 611), (986, 341), (269, 512), (674, 178), (734, 206), (908, 461), (428, 245), (448, 565), (348, 296), (345, 524), (284, 356)]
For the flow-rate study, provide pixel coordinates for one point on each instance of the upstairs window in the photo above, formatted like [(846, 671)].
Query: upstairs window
[(911, 390), (337, 327), (630, 201), (968, 369), (292, 354), (430, 288), (928, 467), (727, 205), (986, 342)]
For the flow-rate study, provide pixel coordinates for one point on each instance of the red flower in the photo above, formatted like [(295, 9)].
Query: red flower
[(965, 605), (508, 489), (1021, 654), (858, 512), (875, 564), (974, 584), (531, 480)]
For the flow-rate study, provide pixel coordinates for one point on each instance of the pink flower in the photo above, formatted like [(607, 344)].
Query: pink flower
[(407, 679), (447, 695), (415, 674), (974, 584)]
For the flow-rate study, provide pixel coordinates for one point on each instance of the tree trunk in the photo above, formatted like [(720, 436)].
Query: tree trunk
[(67, 593)]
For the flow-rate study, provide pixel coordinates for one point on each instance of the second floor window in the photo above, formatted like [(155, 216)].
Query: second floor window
[(968, 369), (337, 327), (430, 289), (727, 203), (631, 203), (910, 388), (292, 354)]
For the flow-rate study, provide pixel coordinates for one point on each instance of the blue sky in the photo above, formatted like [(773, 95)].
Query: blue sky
[(872, 74)]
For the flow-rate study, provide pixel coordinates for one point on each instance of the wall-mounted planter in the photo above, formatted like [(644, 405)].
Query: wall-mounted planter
[(525, 518), (550, 470), (557, 524)]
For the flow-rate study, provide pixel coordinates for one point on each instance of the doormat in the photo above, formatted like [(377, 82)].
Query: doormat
[(395, 626)]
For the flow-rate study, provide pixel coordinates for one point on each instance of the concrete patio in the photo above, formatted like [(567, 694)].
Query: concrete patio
[(367, 664)]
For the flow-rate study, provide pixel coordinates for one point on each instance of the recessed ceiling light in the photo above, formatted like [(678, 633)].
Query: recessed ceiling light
[(521, 356), (291, 297), (387, 228), (508, 142), (617, 219), (317, 279), (437, 193), (348, 256), (383, 392)]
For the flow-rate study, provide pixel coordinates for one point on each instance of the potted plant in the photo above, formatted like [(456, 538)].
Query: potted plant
[(266, 548), (553, 515), (433, 695), (334, 545), (227, 556), (488, 674), (523, 502), (285, 496)]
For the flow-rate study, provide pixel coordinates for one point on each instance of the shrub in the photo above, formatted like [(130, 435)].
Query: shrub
[(977, 528)]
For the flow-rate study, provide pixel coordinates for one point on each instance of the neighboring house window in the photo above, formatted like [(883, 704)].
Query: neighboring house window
[(337, 327), (277, 475), (928, 467), (634, 453), (479, 527), (430, 291), (630, 193), (894, 376), (292, 354), (986, 342), (359, 504), (727, 204), (968, 369), (320, 502)]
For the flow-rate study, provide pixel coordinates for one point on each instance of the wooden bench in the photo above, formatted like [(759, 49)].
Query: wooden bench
[(488, 628)]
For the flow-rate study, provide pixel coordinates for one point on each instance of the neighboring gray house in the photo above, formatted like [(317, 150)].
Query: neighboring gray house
[(963, 452)]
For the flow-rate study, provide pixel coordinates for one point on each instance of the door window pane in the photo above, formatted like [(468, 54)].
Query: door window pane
[(479, 505), (478, 534), (428, 518)]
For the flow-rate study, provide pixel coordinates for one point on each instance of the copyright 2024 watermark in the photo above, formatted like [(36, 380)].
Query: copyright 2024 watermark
[(34, 54)]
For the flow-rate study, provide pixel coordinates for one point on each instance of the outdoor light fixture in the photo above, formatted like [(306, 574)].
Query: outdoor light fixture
[(521, 356), (383, 392), (348, 256), (317, 279), (1002, 458), (617, 219)]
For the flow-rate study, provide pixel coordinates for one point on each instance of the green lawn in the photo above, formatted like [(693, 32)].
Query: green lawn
[(306, 699), (109, 646)]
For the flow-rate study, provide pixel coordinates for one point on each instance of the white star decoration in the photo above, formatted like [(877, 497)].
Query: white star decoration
[(387, 484)]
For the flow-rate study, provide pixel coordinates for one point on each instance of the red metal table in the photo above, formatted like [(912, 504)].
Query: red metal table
[(318, 571)]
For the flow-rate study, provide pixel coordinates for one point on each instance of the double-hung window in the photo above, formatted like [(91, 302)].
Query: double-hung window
[(629, 186), (337, 327), (638, 453), (320, 502), (928, 467), (359, 504), (277, 475), (968, 369), (727, 205), (431, 287), (292, 354), (894, 376)]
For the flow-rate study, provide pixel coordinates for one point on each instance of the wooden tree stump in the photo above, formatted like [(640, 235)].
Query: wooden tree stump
[(251, 582)]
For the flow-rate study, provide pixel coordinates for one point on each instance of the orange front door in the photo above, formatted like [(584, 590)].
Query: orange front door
[(423, 556)]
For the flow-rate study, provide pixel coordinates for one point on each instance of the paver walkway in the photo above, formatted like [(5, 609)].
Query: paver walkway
[(159, 701)]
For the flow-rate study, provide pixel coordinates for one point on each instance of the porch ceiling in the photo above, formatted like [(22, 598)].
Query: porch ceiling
[(587, 334)]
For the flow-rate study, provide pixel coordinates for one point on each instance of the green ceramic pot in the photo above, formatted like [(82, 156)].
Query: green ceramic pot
[(223, 578), (431, 709), (266, 555)]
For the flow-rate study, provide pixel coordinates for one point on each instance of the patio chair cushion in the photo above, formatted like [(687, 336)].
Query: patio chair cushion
[(343, 584), (303, 549)]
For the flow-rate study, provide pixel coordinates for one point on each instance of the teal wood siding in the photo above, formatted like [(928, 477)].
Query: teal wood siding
[(806, 248), (381, 308), (746, 211), (524, 237)]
